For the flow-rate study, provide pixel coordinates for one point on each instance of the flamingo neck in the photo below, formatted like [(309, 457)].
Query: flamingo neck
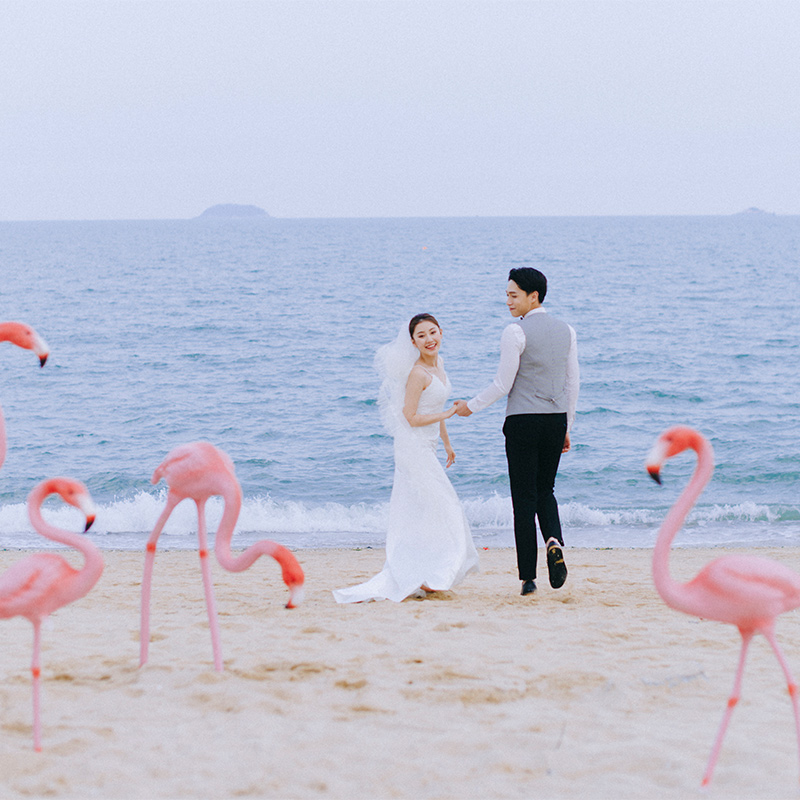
[(2, 438), (8, 332), (232, 498), (93, 561), (222, 544), (667, 587)]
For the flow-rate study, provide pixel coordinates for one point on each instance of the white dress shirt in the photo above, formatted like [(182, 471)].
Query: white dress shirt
[(512, 343)]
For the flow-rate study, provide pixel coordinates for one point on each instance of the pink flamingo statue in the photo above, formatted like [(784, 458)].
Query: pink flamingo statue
[(197, 471), (26, 337), (39, 584), (746, 591)]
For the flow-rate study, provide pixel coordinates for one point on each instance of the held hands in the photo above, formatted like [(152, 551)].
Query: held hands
[(461, 408)]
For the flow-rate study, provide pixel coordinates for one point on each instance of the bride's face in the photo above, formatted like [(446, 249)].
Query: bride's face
[(427, 337)]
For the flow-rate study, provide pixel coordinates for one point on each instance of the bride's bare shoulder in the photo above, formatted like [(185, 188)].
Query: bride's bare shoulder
[(419, 375)]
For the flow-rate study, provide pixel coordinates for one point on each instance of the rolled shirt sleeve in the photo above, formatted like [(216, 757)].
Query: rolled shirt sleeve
[(573, 378), (512, 343)]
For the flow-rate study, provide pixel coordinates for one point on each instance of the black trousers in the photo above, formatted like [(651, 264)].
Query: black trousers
[(533, 450)]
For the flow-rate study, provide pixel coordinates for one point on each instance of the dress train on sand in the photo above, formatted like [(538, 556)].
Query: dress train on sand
[(428, 541)]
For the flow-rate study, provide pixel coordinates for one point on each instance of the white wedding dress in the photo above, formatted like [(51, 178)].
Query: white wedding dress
[(428, 542)]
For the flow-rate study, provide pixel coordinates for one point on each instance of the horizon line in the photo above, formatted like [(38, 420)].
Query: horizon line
[(270, 218)]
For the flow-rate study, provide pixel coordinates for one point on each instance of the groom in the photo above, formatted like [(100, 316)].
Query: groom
[(539, 372)]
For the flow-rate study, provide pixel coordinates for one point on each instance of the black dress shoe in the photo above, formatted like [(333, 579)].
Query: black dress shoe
[(555, 563), (528, 587)]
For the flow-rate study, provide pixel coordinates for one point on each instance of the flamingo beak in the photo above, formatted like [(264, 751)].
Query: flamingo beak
[(40, 348), (296, 594), (655, 458), (87, 506)]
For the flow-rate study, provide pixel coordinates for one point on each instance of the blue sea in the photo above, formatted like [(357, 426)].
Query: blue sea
[(259, 336)]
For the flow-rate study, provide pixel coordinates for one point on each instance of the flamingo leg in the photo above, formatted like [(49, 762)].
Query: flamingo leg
[(732, 701), (791, 685), (208, 586), (147, 579), (36, 672)]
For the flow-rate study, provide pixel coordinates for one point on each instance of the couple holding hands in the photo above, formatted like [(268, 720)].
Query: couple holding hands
[(428, 542)]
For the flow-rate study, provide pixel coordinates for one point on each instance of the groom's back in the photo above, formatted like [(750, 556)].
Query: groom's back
[(540, 385)]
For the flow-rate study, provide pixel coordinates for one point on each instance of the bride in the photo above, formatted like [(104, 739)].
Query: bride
[(428, 543)]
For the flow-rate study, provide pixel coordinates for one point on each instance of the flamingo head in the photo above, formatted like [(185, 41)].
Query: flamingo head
[(24, 336), (75, 494), (296, 595), (672, 442), (292, 574)]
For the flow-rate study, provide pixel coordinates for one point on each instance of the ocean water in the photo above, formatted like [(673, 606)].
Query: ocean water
[(259, 337)]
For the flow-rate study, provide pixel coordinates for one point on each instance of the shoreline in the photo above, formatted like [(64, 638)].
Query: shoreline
[(595, 690), (190, 546)]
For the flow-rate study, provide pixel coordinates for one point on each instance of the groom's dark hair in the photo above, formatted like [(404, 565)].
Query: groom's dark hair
[(530, 280)]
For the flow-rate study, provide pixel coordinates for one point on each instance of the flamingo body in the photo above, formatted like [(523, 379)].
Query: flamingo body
[(42, 583), (36, 586), (198, 471), (746, 591)]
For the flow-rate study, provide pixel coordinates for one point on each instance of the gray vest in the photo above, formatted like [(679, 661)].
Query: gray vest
[(541, 382)]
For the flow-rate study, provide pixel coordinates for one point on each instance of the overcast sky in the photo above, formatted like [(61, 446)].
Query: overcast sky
[(143, 110)]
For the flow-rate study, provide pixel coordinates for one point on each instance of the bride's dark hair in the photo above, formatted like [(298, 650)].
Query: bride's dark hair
[(417, 318)]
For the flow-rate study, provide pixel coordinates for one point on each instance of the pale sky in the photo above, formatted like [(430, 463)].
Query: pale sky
[(144, 110)]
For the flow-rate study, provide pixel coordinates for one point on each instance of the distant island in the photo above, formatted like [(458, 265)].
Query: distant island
[(754, 212), (233, 211)]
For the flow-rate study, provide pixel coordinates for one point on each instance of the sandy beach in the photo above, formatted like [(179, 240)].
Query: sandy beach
[(595, 690)]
